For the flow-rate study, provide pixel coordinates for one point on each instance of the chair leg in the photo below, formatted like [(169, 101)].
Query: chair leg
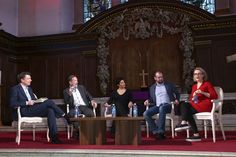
[(147, 129), (71, 130), (205, 128), (187, 133), (222, 129), (68, 132), (175, 133), (33, 132), (213, 130), (172, 128), (16, 136), (18, 133), (48, 138)]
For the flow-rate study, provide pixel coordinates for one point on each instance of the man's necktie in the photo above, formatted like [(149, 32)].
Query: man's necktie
[(27, 94)]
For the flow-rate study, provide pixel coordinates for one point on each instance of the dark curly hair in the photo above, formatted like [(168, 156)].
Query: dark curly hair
[(118, 79)]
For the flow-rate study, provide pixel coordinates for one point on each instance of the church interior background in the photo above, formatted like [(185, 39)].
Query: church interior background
[(102, 39)]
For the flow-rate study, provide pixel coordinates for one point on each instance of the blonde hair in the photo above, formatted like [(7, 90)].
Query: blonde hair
[(205, 77)]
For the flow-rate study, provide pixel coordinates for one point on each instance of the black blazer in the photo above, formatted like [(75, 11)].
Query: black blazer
[(86, 96)]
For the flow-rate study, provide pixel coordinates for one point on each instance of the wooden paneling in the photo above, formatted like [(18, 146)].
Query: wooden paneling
[(52, 73), (9, 70), (203, 58), (224, 73), (128, 58), (38, 74), (89, 71), (212, 57)]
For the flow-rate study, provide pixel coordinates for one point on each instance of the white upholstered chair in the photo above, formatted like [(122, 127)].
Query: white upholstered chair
[(30, 120), (33, 121), (169, 116), (213, 116)]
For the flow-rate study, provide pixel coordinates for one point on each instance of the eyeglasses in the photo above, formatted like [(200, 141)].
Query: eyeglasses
[(197, 74)]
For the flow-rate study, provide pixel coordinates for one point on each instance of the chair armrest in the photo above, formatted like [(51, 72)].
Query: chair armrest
[(172, 104), (18, 112), (94, 112), (216, 105), (216, 100), (67, 108), (105, 113)]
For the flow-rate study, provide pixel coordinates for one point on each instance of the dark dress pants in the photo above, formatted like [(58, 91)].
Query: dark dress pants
[(46, 109), (187, 112)]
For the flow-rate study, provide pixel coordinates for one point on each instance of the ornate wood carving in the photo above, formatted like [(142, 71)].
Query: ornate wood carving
[(143, 23)]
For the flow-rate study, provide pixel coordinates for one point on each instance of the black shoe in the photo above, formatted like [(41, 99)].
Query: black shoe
[(55, 140), (193, 139), (160, 136), (181, 127), (76, 135), (67, 118)]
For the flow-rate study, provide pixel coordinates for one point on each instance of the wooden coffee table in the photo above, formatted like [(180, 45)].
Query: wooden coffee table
[(93, 130)]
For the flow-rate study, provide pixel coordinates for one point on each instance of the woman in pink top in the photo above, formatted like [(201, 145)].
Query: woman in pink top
[(199, 101)]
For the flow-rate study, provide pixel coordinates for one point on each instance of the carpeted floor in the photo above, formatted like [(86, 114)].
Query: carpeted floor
[(7, 140)]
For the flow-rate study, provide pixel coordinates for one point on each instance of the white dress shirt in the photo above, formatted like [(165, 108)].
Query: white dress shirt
[(25, 88), (78, 100)]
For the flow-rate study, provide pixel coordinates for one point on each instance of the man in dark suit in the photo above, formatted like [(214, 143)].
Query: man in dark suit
[(77, 95), (22, 96), (161, 95)]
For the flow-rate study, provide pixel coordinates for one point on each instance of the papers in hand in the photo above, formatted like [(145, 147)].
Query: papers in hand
[(40, 100)]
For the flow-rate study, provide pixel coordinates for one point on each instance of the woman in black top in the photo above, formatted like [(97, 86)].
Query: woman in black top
[(122, 98)]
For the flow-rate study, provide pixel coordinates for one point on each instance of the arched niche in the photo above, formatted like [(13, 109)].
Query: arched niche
[(157, 32)]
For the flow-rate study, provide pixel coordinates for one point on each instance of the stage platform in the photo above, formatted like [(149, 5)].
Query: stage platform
[(148, 148), (107, 153)]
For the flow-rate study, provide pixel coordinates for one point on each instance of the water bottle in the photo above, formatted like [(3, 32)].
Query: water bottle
[(130, 112), (113, 110), (135, 110), (195, 99), (77, 112)]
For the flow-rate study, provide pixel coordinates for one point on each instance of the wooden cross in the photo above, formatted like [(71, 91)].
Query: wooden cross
[(143, 74)]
